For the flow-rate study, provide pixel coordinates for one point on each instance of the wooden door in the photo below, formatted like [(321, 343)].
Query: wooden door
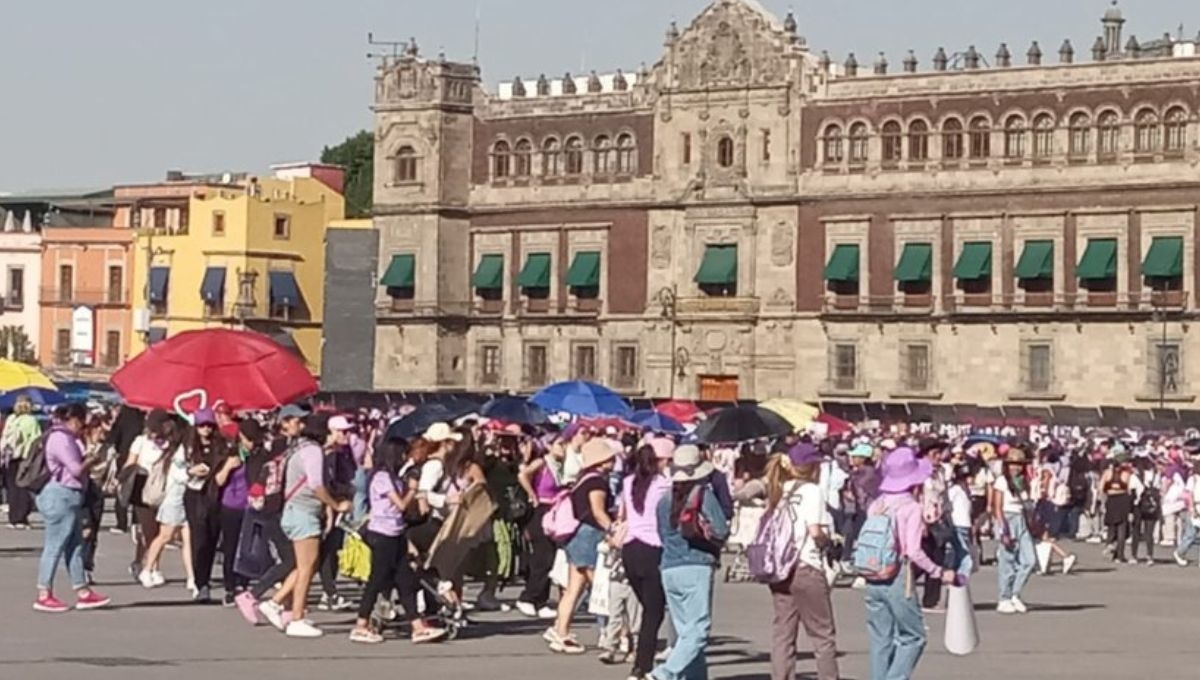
[(718, 388)]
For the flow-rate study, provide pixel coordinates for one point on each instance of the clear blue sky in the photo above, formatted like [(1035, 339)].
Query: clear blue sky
[(97, 92)]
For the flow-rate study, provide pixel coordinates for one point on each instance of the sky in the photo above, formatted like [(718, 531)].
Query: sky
[(100, 92)]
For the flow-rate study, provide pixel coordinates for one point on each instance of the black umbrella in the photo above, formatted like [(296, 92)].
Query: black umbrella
[(420, 419), (514, 410), (740, 424)]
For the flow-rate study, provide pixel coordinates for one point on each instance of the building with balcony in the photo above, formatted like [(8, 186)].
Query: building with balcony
[(746, 218), (235, 251)]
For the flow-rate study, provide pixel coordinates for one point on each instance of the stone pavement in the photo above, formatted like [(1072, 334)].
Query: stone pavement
[(1105, 622)]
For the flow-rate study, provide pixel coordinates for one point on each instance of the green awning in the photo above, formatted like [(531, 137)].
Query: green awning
[(1165, 258), (585, 270), (719, 266), (1099, 260), (536, 272), (401, 273), (489, 275), (916, 263), (1037, 261), (975, 262), (843, 263)]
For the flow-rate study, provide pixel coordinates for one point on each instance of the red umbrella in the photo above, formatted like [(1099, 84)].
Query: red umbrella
[(196, 369), (682, 411), (833, 424)]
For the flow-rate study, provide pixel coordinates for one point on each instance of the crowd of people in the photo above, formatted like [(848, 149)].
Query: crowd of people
[(590, 519)]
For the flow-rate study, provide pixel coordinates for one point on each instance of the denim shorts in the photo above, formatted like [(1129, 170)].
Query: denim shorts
[(582, 549), (299, 523)]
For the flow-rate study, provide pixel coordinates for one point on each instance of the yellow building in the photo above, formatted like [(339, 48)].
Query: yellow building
[(234, 251)]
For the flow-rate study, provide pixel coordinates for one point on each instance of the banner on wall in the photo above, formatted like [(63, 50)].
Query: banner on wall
[(83, 336)]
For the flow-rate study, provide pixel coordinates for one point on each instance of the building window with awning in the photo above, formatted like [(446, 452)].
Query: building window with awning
[(488, 279), (841, 271), (284, 294), (914, 269), (974, 268), (1163, 266), (718, 273), (160, 278), (534, 278), (583, 276), (1035, 268), (212, 291), (1097, 270), (401, 277)]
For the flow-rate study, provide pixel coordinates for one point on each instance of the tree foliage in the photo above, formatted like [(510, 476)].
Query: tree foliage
[(357, 155), (15, 345)]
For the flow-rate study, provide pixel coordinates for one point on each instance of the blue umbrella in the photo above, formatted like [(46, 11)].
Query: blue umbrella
[(514, 410), (582, 399), (39, 396), (420, 419), (656, 422)]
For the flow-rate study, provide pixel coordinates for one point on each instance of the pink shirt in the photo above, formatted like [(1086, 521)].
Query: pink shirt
[(910, 529), (643, 526)]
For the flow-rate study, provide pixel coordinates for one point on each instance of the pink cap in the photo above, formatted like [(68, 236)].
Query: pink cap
[(663, 447)]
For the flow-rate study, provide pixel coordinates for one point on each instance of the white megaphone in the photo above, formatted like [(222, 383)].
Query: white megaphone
[(962, 632)]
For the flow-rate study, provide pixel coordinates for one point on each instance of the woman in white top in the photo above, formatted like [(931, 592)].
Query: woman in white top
[(1147, 506), (1011, 501), (172, 521)]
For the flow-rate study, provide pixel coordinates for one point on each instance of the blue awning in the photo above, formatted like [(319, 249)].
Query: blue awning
[(284, 290), (157, 335), (159, 276), (212, 290)]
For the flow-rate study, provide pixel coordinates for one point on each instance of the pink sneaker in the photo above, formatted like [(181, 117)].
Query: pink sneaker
[(248, 606), (50, 605), (92, 600)]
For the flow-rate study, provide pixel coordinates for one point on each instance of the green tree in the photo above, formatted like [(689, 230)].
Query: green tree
[(15, 345), (357, 155)]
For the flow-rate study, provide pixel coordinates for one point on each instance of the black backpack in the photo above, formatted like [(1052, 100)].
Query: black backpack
[(1077, 482), (1150, 502), (33, 474)]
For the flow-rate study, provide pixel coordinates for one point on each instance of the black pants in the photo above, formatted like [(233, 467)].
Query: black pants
[(1143, 531), (641, 567), (20, 501), (934, 544), (204, 520), (121, 514), (1118, 534), (283, 549), (93, 512), (231, 533), (327, 561), (541, 560), (390, 569), (854, 522)]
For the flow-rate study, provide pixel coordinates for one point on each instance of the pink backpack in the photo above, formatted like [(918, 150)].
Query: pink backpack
[(773, 554), (560, 524)]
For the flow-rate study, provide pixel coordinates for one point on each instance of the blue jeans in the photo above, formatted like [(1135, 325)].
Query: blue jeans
[(62, 510), (1190, 537), (689, 601), (896, 628), (361, 503), (1016, 564), (964, 563)]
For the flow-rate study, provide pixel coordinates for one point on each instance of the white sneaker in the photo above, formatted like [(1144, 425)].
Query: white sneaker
[(859, 583), (303, 629), (146, 579), (1179, 559), (1019, 606), (527, 609), (1006, 607), (547, 614), (273, 613), (158, 579), (1069, 564)]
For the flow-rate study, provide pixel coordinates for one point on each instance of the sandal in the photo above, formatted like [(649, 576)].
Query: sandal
[(428, 635), (567, 645), (365, 636)]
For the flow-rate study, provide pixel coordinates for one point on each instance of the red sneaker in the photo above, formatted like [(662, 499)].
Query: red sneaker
[(50, 605), (92, 600)]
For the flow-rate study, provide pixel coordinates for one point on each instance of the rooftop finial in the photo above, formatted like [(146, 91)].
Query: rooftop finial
[(594, 84), (1132, 46), (1034, 55), (518, 87), (910, 62), (851, 66), (789, 23), (543, 86), (940, 60), (1112, 22), (1066, 53), (413, 50), (1099, 49), (971, 58), (1003, 56), (826, 61), (881, 65), (569, 84), (672, 32), (620, 84)]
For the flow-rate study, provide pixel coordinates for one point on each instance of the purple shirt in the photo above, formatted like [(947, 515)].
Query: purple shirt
[(386, 518), (643, 526), (358, 448), (305, 474), (910, 529), (64, 458)]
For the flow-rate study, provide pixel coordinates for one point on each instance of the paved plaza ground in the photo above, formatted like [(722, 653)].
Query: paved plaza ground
[(1105, 622)]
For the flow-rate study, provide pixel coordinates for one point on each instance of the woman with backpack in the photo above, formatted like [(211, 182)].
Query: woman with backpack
[(1147, 506), (589, 499), (889, 549), (390, 494), (803, 598), (60, 503), (21, 432)]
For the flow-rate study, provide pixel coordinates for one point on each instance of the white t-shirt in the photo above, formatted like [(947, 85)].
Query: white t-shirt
[(145, 452), (430, 484), (1010, 503), (960, 507), (809, 506)]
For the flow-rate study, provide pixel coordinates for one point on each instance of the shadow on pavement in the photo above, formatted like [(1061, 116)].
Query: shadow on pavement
[(991, 606)]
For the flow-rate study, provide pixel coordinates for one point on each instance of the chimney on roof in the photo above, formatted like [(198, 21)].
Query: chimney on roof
[(1034, 55), (940, 60), (851, 66), (910, 62), (1003, 56), (1066, 53), (1112, 22), (881, 65)]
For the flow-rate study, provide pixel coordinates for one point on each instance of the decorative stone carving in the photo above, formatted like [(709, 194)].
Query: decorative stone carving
[(660, 247), (781, 244), (715, 341), (731, 44), (780, 298)]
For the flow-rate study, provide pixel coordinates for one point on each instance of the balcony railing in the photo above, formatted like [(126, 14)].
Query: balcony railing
[(84, 296), (1022, 302)]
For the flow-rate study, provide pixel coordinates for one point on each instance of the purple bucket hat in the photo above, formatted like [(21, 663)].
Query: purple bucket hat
[(804, 453), (902, 470)]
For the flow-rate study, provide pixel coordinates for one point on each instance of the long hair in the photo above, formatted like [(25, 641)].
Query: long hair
[(680, 492), (645, 469), (461, 456), (421, 447), (389, 457)]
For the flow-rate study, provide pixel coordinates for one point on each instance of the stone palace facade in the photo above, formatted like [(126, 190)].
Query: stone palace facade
[(748, 218)]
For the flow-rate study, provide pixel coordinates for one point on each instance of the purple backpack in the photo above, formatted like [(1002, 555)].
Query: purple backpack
[(773, 554)]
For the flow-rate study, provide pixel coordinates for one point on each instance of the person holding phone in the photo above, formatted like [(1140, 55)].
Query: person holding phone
[(207, 454)]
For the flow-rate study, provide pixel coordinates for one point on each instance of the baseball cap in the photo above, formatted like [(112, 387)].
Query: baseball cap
[(293, 411), (204, 416), (340, 424), (440, 432)]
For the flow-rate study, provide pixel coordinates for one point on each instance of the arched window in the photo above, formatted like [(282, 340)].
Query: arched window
[(833, 145), (1176, 130), (626, 154), (1043, 136), (1080, 133), (602, 150), (952, 139), (501, 160), (1014, 137), (725, 155), (551, 158), (1108, 135), (981, 137), (574, 156), (893, 149), (523, 157), (918, 140), (858, 143), (406, 164), (1147, 135)]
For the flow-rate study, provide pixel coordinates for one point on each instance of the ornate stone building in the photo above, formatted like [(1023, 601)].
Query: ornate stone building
[(747, 218)]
